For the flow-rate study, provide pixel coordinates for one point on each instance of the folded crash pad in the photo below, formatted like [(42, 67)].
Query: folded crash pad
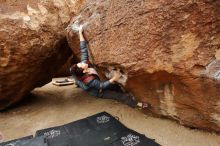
[(62, 82)]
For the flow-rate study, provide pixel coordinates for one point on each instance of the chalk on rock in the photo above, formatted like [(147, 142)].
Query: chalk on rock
[(75, 26), (76, 23), (109, 74), (213, 70)]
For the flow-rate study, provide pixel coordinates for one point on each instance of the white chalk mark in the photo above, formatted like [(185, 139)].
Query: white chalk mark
[(167, 104), (216, 116), (217, 74), (75, 25), (213, 70)]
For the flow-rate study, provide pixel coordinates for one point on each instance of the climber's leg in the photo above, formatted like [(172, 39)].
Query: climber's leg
[(119, 96)]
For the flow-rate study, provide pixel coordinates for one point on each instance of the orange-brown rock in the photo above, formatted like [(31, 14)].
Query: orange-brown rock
[(32, 44), (169, 51)]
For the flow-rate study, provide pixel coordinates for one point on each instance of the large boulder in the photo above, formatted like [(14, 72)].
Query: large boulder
[(169, 51), (32, 44)]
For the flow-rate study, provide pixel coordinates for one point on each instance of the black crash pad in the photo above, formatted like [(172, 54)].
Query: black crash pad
[(98, 130), (37, 141), (27, 141), (132, 138), (16, 142), (101, 129)]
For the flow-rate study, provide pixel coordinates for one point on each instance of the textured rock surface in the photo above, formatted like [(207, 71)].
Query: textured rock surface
[(32, 44), (169, 50)]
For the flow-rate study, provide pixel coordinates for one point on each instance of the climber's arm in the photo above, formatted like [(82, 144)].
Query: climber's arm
[(106, 84), (81, 37), (78, 82), (83, 46)]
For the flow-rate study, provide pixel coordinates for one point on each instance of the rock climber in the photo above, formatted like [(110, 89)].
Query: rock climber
[(87, 78)]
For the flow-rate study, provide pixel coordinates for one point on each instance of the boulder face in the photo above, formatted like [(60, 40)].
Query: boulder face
[(33, 45), (169, 50)]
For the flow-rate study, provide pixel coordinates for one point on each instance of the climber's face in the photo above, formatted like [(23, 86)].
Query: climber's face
[(82, 65)]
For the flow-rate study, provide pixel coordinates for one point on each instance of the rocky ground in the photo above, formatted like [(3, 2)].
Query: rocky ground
[(51, 105)]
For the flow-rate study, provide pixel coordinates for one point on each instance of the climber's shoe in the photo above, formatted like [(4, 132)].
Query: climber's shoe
[(142, 105)]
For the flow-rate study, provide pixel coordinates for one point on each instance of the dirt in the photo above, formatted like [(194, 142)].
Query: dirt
[(51, 106)]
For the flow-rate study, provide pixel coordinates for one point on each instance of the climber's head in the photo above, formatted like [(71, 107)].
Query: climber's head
[(76, 70), (83, 66)]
